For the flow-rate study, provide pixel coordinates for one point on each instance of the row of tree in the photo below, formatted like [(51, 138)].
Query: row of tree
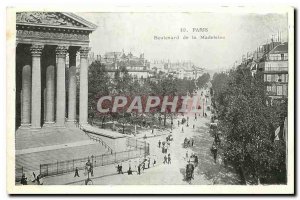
[(247, 125), (101, 83), (203, 80)]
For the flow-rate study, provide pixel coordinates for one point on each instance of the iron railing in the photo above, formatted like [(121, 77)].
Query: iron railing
[(67, 166), (98, 139)]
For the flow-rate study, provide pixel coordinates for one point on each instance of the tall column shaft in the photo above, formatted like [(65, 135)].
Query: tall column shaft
[(72, 87), (83, 108), (36, 51), (50, 89), (61, 52), (26, 95)]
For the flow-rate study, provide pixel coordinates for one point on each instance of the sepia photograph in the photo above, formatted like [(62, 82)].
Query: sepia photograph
[(150, 101)]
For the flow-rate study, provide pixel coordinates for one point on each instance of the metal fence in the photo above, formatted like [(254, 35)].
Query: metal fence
[(100, 160), (132, 142), (140, 149)]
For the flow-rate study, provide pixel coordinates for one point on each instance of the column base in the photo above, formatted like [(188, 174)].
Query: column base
[(36, 128), (49, 124), (60, 125), (25, 126), (72, 123)]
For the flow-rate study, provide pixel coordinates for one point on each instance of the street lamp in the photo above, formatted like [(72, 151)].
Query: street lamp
[(203, 105)]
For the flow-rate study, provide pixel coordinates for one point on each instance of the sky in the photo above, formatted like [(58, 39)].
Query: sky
[(134, 32)]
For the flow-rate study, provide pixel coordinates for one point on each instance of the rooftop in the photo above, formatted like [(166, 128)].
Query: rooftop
[(281, 48)]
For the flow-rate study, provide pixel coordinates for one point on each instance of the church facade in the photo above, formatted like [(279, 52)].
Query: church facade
[(46, 91)]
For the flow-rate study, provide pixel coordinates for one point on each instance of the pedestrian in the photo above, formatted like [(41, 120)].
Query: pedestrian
[(178, 122), (129, 171), (144, 166), (195, 116), (187, 124), (24, 180), (92, 170), (159, 143), (154, 162), (119, 168), (196, 160), (152, 131), (149, 163), (39, 179), (192, 142), (214, 151), (169, 159), (76, 172), (34, 177), (165, 159), (193, 126), (187, 155), (182, 129), (139, 169)]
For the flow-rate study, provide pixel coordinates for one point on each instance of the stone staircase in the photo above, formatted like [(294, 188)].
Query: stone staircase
[(99, 140)]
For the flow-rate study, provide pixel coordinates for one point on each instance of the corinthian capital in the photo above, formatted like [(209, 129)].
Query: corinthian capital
[(84, 52), (36, 49), (61, 51)]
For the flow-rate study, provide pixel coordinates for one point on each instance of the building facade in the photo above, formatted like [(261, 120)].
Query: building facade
[(44, 40), (275, 69), (137, 67)]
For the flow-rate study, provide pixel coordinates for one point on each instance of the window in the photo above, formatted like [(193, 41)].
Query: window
[(279, 90), (269, 77), (282, 56), (284, 90), (279, 78), (274, 89), (273, 78), (269, 88)]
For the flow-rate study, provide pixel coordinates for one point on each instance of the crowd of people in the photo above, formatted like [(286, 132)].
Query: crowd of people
[(38, 180)]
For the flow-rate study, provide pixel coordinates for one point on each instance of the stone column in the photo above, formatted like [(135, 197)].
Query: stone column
[(50, 89), (36, 51), (61, 52), (26, 96), (72, 86), (83, 104)]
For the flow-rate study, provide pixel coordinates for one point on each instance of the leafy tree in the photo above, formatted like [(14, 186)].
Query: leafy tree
[(203, 80), (247, 126), (99, 85)]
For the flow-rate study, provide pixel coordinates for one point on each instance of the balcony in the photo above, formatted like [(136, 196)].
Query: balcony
[(276, 69)]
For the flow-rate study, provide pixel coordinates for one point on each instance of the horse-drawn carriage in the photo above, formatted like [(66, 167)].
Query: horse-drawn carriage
[(194, 159), (189, 172), (169, 138), (186, 143)]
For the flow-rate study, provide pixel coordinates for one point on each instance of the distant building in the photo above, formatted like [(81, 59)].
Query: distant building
[(160, 66), (275, 69), (185, 70), (138, 67)]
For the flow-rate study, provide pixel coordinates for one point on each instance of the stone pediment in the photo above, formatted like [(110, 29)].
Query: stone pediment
[(53, 19)]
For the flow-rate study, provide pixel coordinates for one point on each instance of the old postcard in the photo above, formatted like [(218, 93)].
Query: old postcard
[(150, 100)]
